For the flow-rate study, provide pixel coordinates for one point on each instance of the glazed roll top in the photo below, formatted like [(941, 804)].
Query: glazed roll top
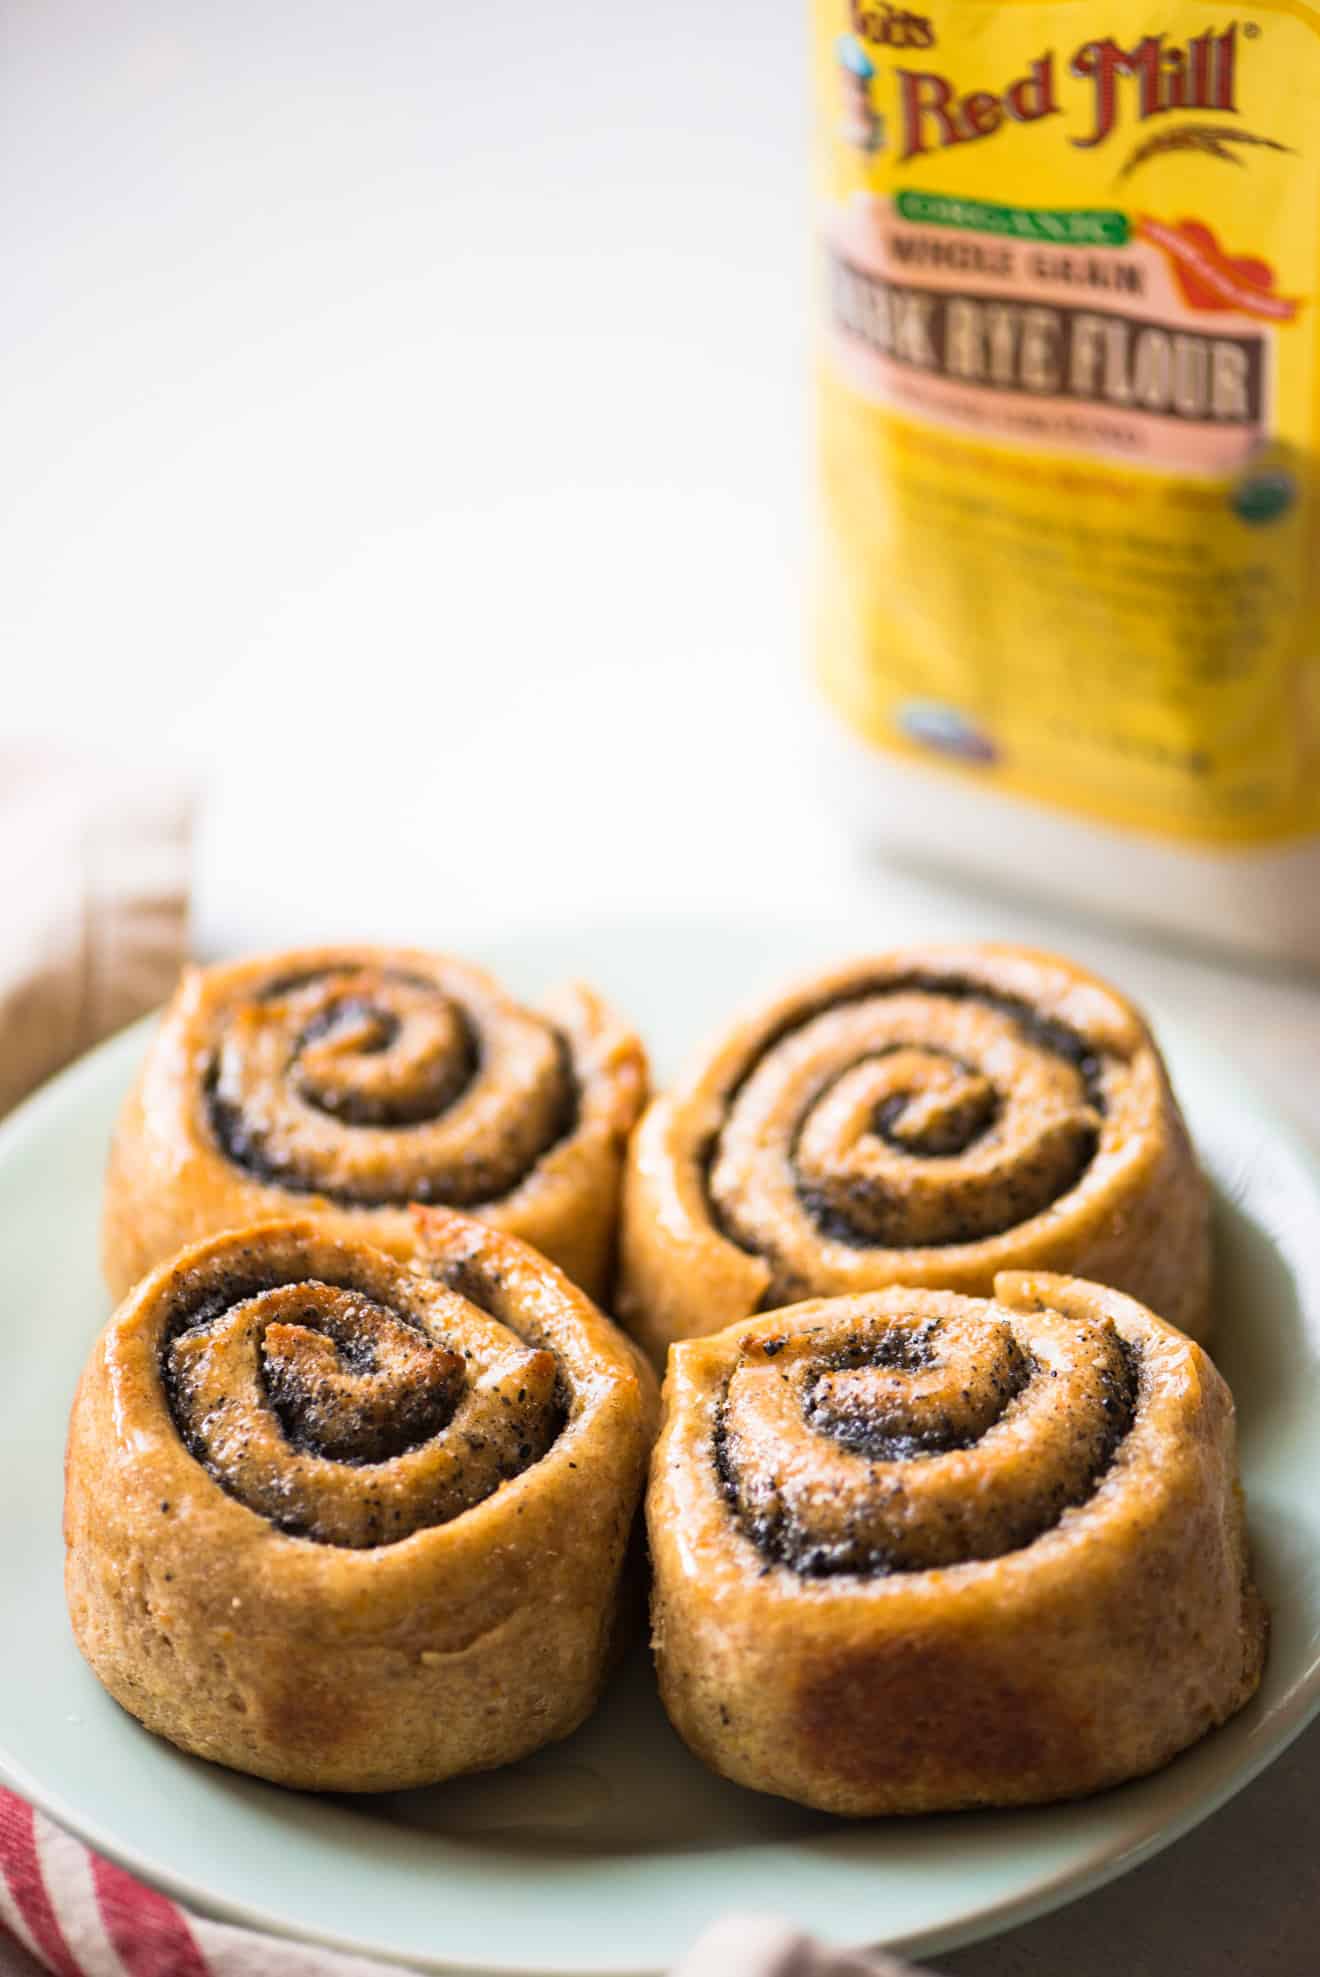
[(354, 1082), (372, 1085), (296, 1464), (913, 1549), (357, 1418), (928, 1117), (904, 1440)]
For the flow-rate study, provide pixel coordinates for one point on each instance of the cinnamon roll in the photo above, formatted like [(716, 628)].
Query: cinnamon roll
[(350, 1082), (929, 1117), (916, 1551), (350, 1527)]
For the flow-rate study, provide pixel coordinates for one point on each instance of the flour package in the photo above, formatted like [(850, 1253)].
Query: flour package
[(1067, 436)]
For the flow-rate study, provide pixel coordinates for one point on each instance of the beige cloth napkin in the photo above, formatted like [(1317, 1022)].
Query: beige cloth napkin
[(94, 879), (755, 1946)]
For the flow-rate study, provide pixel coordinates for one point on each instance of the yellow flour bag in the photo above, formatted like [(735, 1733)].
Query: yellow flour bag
[(1067, 427)]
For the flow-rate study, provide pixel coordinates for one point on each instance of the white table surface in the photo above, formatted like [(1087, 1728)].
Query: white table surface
[(403, 412)]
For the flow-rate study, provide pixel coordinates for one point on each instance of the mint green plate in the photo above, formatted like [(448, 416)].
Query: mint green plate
[(610, 1852)]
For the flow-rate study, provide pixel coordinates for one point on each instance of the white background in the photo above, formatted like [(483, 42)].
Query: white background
[(403, 420)]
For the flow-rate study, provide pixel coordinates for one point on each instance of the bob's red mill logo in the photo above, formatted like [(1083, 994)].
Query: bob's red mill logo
[(890, 27), (1146, 80)]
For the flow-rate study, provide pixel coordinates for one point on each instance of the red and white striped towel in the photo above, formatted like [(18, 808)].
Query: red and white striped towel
[(66, 1910)]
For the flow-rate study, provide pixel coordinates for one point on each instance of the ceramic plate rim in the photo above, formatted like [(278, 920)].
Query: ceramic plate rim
[(1104, 1859)]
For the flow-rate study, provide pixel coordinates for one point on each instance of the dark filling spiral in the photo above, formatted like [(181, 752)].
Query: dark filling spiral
[(372, 1086), (938, 1124), (921, 1444), (853, 1424), (371, 1032), (346, 1418), (915, 1112)]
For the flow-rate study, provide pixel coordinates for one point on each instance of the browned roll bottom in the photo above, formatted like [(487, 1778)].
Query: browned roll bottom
[(928, 1117), (350, 1082), (344, 1526), (916, 1551)]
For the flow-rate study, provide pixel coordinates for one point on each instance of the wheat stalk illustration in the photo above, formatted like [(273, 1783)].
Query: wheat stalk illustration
[(1211, 140)]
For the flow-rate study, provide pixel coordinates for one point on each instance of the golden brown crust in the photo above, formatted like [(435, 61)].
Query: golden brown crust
[(335, 1653), (348, 1082), (929, 1117), (801, 1651)]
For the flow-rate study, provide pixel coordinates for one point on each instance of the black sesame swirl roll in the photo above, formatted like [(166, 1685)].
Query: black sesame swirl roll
[(350, 1526), (351, 1082), (916, 1551), (930, 1117)]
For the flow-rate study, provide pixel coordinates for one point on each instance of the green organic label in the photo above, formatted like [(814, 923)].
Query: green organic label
[(1065, 226), (1264, 497)]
